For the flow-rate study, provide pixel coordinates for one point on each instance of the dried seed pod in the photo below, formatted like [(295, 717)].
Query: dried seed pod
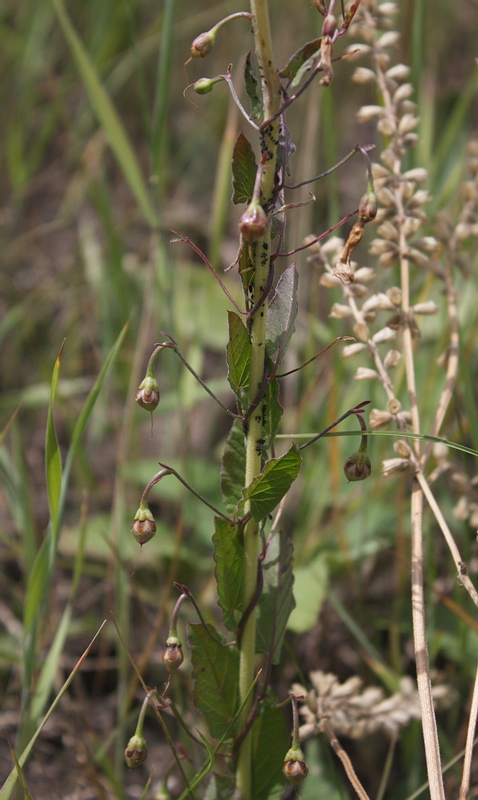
[(378, 418), (392, 466), (394, 406), (392, 359), (340, 311), (385, 335), (365, 374), (353, 349), (361, 331), (402, 449)]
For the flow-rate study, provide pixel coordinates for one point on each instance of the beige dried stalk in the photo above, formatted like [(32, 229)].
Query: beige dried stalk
[(398, 242)]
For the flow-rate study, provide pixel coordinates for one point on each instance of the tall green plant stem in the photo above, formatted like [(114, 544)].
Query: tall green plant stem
[(262, 264)]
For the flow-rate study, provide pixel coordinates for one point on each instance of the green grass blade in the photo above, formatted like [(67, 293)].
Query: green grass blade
[(455, 124), (107, 116), (395, 434), (50, 667), (162, 92), (53, 469), (7, 788), (80, 426)]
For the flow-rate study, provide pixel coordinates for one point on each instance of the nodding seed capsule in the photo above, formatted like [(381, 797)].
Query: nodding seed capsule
[(173, 654), (358, 467), (144, 526), (368, 207), (147, 395), (203, 85), (294, 767), (202, 44), (136, 751)]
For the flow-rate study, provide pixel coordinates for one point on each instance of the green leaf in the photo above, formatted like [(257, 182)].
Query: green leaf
[(310, 587), (107, 115), (300, 57), (233, 468), (277, 600), (269, 487), (238, 356), (252, 84), (229, 559), (244, 170), (52, 453), (282, 313), (215, 675), (270, 744)]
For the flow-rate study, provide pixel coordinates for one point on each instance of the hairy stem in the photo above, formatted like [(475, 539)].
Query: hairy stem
[(269, 141)]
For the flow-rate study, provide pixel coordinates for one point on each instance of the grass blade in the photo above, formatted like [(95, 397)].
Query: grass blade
[(7, 788), (107, 115), (52, 454)]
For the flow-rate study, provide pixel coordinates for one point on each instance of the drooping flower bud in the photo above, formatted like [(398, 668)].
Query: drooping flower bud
[(173, 654), (147, 395), (368, 207), (329, 28), (254, 223), (144, 526), (294, 767), (203, 85), (202, 44), (136, 751), (357, 467)]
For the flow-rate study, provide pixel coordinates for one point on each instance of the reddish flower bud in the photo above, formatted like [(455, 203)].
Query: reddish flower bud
[(173, 654), (254, 223), (144, 526), (147, 395), (358, 466), (368, 207), (329, 27), (136, 751), (202, 44), (294, 768)]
